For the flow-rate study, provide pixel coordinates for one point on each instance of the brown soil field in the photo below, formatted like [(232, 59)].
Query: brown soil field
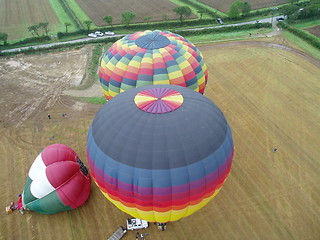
[(98, 9), (17, 15), (270, 95), (314, 30), (223, 6)]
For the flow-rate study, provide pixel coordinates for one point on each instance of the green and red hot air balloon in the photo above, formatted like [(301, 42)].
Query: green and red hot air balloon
[(57, 181)]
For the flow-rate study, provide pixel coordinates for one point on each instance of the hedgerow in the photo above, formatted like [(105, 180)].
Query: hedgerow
[(309, 38), (224, 29)]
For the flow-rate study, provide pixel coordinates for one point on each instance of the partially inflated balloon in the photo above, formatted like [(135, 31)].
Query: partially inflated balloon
[(57, 181), (160, 152), (151, 58)]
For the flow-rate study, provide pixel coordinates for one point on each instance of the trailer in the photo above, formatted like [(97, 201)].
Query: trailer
[(118, 234)]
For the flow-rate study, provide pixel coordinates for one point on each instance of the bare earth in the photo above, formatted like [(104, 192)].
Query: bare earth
[(270, 94), (314, 30)]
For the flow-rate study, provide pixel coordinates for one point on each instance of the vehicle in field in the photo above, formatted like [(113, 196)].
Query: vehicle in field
[(109, 33), (136, 223), (92, 35), (219, 20), (98, 33)]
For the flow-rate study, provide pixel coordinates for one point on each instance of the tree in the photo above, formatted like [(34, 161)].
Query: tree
[(44, 26), (34, 30), (201, 12), (183, 12), (108, 19), (147, 19), (289, 10), (4, 37), (88, 24), (165, 17), (238, 8), (235, 9), (246, 8), (128, 17), (66, 24), (310, 10)]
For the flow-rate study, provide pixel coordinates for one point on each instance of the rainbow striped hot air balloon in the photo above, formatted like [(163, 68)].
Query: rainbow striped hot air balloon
[(150, 58), (160, 152), (57, 181)]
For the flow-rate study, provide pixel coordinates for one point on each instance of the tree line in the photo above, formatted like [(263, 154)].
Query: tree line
[(238, 9)]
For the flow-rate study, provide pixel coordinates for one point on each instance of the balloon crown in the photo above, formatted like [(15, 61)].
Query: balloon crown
[(152, 41), (158, 100)]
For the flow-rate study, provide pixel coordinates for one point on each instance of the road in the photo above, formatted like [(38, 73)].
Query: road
[(264, 20), (88, 39)]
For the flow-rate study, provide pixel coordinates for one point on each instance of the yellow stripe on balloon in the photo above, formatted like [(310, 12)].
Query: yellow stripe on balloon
[(169, 216), (176, 99)]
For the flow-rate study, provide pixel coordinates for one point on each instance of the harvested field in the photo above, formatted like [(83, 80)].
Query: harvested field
[(269, 93), (224, 6), (98, 9), (17, 15), (314, 30)]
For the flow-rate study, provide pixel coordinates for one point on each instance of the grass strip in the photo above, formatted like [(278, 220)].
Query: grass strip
[(307, 24), (80, 14), (302, 44), (94, 100), (206, 38), (62, 16)]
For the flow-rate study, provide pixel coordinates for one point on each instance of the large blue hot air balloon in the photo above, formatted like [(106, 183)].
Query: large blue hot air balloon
[(160, 152)]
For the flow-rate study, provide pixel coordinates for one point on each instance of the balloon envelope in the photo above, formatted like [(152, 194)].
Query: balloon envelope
[(150, 58), (57, 181), (159, 152)]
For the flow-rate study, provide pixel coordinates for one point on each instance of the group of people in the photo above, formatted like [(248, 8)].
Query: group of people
[(162, 226), (140, 235), (64, 115)]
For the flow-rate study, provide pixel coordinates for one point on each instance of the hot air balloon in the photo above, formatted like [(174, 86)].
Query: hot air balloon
[(57, 181), (159, 152), (151, 58)]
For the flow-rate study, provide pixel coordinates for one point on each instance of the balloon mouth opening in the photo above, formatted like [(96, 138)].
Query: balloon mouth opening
[(152, 41), (83, 168), (158, 100)]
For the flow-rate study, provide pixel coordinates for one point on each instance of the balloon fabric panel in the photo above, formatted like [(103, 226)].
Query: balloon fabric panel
[(49, 204)]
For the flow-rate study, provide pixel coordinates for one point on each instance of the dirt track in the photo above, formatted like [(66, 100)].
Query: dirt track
[(269, 93)]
